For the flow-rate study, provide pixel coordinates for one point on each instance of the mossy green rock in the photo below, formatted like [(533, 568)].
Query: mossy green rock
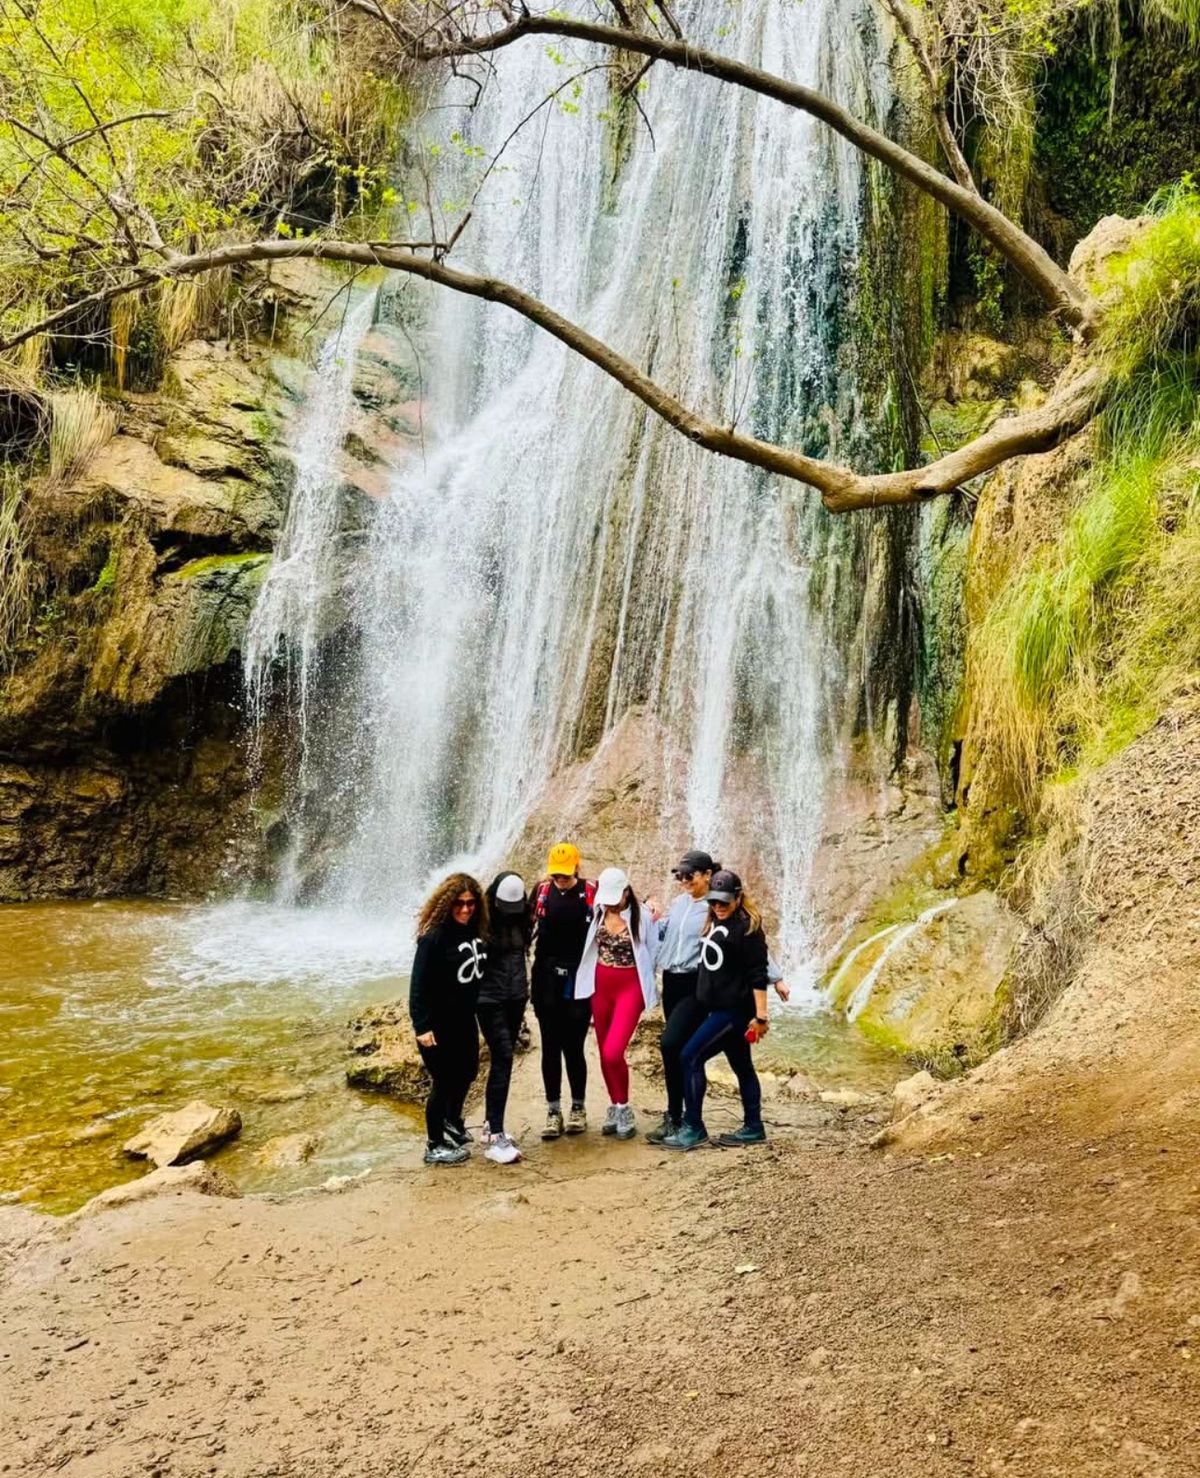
[(933, 988)]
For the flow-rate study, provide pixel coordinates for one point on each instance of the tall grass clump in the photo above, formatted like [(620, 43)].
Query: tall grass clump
[(80, 424), (18, 580), (1084, 648)]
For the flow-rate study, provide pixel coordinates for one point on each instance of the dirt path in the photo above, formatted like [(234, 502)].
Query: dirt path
[(1032, 1309)]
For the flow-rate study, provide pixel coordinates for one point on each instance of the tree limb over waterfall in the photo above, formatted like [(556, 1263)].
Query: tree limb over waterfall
[(447, 39), (841, 489)]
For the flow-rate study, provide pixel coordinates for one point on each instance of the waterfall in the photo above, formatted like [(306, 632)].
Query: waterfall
[(558, 556)]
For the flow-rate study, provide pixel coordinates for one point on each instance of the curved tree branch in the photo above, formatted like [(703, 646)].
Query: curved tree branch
[(1027, 257), (841, 489)]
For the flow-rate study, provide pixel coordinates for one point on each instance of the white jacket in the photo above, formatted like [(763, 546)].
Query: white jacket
[(643, 956)]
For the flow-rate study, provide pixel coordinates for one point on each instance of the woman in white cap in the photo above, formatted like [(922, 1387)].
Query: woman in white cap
[(503, 992), (617, 974)]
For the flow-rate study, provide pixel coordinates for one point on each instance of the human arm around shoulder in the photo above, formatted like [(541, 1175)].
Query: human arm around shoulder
[(775, 978), (420, 992)]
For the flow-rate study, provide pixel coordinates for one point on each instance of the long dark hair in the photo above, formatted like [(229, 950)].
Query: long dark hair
[(508, 930), (438, 908)]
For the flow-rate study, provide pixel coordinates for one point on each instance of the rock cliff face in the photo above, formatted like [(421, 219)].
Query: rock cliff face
[(123, 755)]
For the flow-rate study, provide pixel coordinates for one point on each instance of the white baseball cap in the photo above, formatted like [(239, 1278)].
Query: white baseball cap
[(611, 885), (510, 893)]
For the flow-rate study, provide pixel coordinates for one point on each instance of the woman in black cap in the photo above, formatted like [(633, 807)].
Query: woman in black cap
[(732, 987), (503, 992), (678, 958)]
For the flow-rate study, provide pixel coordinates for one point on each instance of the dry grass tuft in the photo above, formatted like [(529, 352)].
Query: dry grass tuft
[(80, 424)]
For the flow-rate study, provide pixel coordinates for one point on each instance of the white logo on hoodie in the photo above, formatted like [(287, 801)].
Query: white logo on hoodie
[(711, 953), (472, 966)]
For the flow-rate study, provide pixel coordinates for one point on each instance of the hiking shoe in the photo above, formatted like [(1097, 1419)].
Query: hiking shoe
[(502, 1150), (626, 1122), (661, 1131), (446, 1154), (459, 1134), (745, 1135), (610, 1120), (554, 1124), (685, 1138), (577, 1119)]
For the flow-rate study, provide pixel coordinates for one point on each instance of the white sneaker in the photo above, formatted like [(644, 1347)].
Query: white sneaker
[(626, 1122), (502, 1150)]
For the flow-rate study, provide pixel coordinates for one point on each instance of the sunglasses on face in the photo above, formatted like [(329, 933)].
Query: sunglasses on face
[(464, 903), (685, 877)]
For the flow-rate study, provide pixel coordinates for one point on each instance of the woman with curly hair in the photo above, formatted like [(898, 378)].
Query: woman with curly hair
[(442, 994)]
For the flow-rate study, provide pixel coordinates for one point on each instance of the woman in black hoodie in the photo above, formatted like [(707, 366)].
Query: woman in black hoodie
[(442, 993), (732, 987), (503, 993)]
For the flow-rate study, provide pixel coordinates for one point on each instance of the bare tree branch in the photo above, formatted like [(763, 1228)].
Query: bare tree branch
[(1027, 257), (841, 489), (906, 21)]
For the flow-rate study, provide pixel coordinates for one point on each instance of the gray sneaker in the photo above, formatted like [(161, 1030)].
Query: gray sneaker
[(554, 1124), (446, 1154), (577, 1119), (626, 1122), (610, 1120)]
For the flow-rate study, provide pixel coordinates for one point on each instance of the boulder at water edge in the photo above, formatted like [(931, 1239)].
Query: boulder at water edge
[(184, 1135), (385, 1053), (171, 1180)]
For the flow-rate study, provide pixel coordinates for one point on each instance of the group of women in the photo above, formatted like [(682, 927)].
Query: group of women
[(597, 951)]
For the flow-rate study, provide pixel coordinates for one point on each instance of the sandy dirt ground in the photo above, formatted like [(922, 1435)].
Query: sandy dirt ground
[(1027, 1305)]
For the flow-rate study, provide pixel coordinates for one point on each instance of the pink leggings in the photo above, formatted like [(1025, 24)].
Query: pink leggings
[(616, 1007)]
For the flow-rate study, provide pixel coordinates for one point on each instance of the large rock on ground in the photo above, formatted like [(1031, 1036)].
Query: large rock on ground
[(186, 1134), (170, 1180), (385, 1054)]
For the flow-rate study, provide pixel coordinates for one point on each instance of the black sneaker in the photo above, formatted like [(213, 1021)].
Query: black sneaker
[(660, 1131), (744, 1135), (446, 1154)]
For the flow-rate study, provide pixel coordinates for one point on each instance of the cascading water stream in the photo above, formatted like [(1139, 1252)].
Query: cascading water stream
[(560, 556)]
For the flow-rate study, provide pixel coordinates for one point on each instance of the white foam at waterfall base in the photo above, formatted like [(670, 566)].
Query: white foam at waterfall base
[(556, 540)]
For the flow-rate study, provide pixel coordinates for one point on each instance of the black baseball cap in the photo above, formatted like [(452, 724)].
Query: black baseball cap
[(694, 862), (725, 887)]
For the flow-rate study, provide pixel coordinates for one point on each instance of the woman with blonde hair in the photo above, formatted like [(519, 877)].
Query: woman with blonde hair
[(732, 988), (442, 995)]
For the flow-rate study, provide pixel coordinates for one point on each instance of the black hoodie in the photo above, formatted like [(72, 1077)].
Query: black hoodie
[(733, 965), (446, 972)]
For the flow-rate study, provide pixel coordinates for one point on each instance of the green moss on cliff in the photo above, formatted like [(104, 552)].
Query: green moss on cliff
[(1116, 119)]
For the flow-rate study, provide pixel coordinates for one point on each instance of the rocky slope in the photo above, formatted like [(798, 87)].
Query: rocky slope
[(123, 754)]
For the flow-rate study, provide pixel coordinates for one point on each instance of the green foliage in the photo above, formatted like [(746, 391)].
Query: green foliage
[(130, 126), (1119, 112), (1082, 650)]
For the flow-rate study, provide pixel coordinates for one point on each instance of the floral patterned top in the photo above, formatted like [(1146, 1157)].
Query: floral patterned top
[(615, 950)]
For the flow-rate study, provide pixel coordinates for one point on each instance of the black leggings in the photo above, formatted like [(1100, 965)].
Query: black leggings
[(684, 1013), (452, 1065), (499, 1021), (564, 1025)]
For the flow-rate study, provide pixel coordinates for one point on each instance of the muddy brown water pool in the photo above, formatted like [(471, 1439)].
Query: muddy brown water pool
[(112, 1012)]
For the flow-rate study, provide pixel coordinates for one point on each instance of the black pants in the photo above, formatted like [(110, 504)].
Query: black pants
[(499, 1021), (564, 1025), (452, 1065), (684, 1014)]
